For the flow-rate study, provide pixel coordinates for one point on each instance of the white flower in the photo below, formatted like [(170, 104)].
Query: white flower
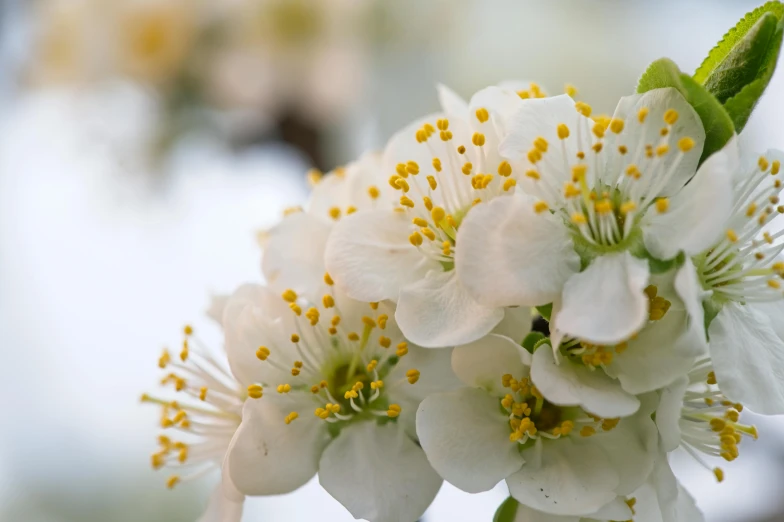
[(202, 421), (659, 499), (556, 457), (294, 248), (736, 272), (442, 165), (597, 197), (336, 388), (694, 414), (654, 357)]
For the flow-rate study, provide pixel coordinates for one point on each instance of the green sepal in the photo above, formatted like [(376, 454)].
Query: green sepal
[(507, 511), (711, 309), (738, 69), (657, 266), (718, 125), (545, 311), (531, 339), (540, 342)]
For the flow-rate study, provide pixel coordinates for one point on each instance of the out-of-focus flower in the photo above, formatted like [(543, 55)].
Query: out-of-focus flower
[(407, 251), (734, 274), (556, 457), (336, 387), (201, 422)]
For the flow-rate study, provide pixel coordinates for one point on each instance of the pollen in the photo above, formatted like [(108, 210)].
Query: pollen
[(563, 131), (662, 149), (504, 169), (432, 182), (578, 172), (534, 155), (289, 296), (732, 236), (685, 144), (508, 184), (616, 125), (532, 174), (461, 149), (284, 388), (353, 336), (172, 481), (482, 115), (642, 114), (393, 411), (662, 204), (570, 89), (373, 192), (402, 349), (291, 417), (478, 139), (412, 375), (540, 206), (255, 391), (541, 144), (466, 168), (334, 213), (438, 214), (775, 167), (328, 301), (382, 321), (719, 474), (294, 338), (583, 108), (415, 238), (328, 279), (671, 116)]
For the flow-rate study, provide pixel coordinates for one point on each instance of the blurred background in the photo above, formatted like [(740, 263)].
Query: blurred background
[(143, 145)]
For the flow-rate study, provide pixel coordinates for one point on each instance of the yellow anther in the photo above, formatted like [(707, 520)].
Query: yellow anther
[(335, 320), (203, 393), (255, 391), (412, 375), (774, 284), (164, 359), (603, 207), (294, 338), (334, 213), (431, 180), (579, 218), (314, 177), (415, 238), (382, 321), (504, 169), (172, 481), (184, 351), (509, 183), (393, 181), (622, 149), (328, 301), (478, 139), (446, 135), (290, 417), (541, 144), (763, 163), (428, 233), (289, 296), (446, 248), (295, 308), (540, 206), (437, 214), (751, 210), (598, 130), (393, 411), (461, 149), (412, 167), (402, 185), (616, 125), (373, 192), (482, 115), (384, 342), (719, 474), (262, 353), (406, 202), (627, 207), (671, 116), (350, 210), (732, 236), (583, 108), (578, 172), (418, 221), (685, 144), (187, 330), (353, 336), (437, 164), (321, 412), (376, 385), (570, 89), (642, 114), (587, 431), (662, 149), (428, 203), (369, 321), (372, 365), (328, 279), (442, 124), (775, 167), (563, 131), (662, 204), (402, 349), (284, 388), (401, 170), (711, 378), (421, 135), (314, 389), (534, 155), (466, 168), (597, 147), (351, 394), (571, 190)]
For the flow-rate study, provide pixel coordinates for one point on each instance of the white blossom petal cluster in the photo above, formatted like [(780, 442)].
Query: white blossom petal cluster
[(392, 346)]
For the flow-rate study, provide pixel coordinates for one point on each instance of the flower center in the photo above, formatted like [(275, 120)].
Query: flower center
[(204, 420), (743, 266)]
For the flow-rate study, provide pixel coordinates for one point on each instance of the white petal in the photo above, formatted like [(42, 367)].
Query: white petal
[(294, 255), (500, 103), (540, 118), (748, 358), (573, 384), (668, 414), (690, 291), (509, 255), (481, 364), (574, 478), (605, 303), (451, 103), (220, 508), (775, 312), (368, 254), (466, 439), (349, 188), (516, 324), (698, 213), (217, 307), (378, 473), (636, 134), (662, 499), (526, 514), (270, 457), (438, 312), (660, 353)]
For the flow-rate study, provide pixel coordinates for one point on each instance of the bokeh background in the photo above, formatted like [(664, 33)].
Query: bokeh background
[(143, 145)]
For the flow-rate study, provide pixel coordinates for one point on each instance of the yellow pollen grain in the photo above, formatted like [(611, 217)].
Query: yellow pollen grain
[(294, 338), (534, 155), (532, 174), (563, 131), (437, 214), (406, 202), (428, 233), (583, 108), (504, 169), (400, 168), (685, 144), (671, 116), (482, 115), (262, 353), (763, 163), (662, 204), (295, 308), (598, 130), (289, 296), (570, 89), (328, 301), (384, 342), (461, 149), (187, 329), (541, 144), (540, 206), (402, 185), (402, 349), (291, 417), (478, 139), (616, 125), (431, 180), (775, 167), (255, 391), (662, 149), (642, 114), (382, 321), (412, 167), (508, 184), (412, 375), (393, 411), (284, 388)]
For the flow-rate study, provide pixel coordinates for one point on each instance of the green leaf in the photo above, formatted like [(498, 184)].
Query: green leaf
[(711, 309), (531, 339), (507, 511), (718, 125), (545, 310), (739, 68)]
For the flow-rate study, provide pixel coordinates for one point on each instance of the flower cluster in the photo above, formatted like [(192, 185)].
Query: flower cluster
[(392, 346)]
